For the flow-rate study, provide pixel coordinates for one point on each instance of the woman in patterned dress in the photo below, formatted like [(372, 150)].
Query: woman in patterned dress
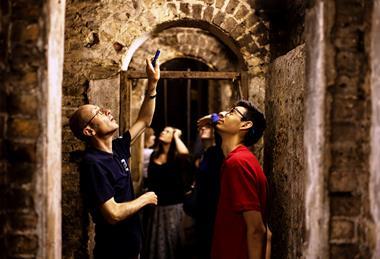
[(168, 176)]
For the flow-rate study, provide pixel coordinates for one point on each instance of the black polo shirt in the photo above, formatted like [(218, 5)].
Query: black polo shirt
[(103, 176)]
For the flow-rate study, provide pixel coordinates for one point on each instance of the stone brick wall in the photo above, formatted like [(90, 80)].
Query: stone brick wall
[(21, 62), (284, 152), (349, 96), (337, 136), (338, 91), (25, 70), (374, 182), (98, 35)]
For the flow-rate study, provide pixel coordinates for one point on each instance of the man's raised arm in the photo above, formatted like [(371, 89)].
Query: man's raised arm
[(145, 116)]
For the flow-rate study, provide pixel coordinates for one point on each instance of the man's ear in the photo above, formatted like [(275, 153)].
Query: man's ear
[(88, 132), (246, 125)]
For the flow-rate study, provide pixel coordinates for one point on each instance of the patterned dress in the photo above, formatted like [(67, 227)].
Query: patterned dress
[(164, 224)]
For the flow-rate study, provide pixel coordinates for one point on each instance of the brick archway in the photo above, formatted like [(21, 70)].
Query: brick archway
[(192, 43), (235, 23)]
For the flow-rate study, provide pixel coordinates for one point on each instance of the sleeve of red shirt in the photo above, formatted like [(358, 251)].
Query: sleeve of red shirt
[(243, 184)]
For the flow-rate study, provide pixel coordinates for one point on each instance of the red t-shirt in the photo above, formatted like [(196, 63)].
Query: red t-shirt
[(243, 187)]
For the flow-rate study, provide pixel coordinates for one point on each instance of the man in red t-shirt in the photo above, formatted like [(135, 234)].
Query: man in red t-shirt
[(240, 226)]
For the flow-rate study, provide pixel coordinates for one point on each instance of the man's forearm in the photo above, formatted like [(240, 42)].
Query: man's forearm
[(127, 209), (256, 243), (115, 212), (148, 105)]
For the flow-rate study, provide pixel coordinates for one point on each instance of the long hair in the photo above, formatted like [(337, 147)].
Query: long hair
[(172, 153)]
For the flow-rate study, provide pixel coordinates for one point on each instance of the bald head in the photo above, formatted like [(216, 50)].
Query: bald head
[(80, 118)]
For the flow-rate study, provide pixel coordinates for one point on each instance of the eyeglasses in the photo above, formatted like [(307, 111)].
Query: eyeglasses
[(96, 113), (243, 118)]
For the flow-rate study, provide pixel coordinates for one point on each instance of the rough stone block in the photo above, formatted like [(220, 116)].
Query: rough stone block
[(245, 40), (238, 31), (252, 20), (346, 86), (344, 251), (346, 9), (173, 8), (23, 103), (208, 13), (343, 131), (284, 109), (18, 199), (342, 181), (344, 205), (23, 244), (241, 12), (231, 6), (21, 152), (185, 8), (23, 128), (346, 155), (348, 63), (346, 109), (347, 38), (219, 18), (24, 57), (219, 3), (24, 32), (342, 230), (229, 24), (25, 81), (23, 220), (29, 10), (197, 11), (22, 173)]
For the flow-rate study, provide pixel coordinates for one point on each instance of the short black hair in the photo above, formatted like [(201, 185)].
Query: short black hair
[(259, 124)]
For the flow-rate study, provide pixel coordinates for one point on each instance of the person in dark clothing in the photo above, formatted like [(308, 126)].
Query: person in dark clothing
[(206, 187), (106, 182), (167, 173)]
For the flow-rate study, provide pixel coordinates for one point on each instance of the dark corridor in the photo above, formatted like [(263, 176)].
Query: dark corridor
[(180, 102)]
